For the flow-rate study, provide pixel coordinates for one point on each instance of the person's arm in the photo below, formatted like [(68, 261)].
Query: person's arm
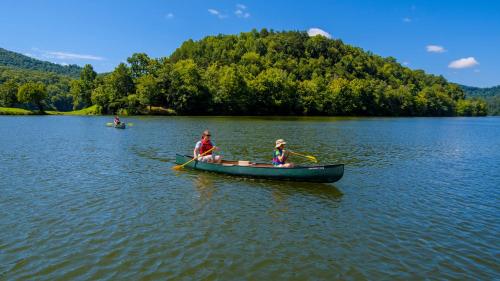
[(196, 149), (283, 156)]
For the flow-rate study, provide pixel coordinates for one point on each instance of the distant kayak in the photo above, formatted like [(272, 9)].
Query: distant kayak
[(120, 126), (325, 173)]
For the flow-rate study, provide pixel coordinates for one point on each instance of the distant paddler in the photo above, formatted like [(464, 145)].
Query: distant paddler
[(203, 149), (117, 121)]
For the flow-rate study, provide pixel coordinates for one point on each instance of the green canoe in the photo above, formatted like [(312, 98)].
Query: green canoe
[(327, 173), (120, 126)]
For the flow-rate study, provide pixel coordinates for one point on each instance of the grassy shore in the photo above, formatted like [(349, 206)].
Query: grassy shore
[(16, 111), (92, 110), (20, 111)]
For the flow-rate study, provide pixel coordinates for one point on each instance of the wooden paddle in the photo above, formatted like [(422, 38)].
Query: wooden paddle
[(178, 167), (310, 157)]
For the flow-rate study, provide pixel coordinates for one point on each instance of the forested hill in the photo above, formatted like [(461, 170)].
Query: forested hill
[(16, 60), (491, 95), (481, 92), (292, 73)]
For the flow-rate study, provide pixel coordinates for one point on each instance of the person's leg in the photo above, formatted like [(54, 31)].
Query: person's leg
[(218, 159)]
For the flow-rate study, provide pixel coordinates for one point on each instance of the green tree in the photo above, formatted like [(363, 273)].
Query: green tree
[(228, 89), (187, 93), (32, 93), (475, 107), (81, 90), (139, 64), (8, 91), (120, 80), (148, 90)]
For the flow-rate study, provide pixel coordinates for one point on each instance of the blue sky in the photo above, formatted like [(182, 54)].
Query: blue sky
[(457, 39)]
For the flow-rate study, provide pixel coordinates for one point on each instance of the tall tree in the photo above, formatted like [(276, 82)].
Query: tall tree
[(139, 64), (8, 91), (121, 82), (148, 90), (32, 93), (81, 90)]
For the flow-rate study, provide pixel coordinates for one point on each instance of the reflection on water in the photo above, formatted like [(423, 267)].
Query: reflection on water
[(81, 201), (205, 186)]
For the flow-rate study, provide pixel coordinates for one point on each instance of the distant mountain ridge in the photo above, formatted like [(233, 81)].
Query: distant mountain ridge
[(20, 61), (473, 92)]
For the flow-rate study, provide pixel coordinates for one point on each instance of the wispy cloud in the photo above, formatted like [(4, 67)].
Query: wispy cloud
[(407, 20), (214, 12), (314, 31), (169, 16), (463, 63), (241, 11), (69, 56), (435, 49), (217, 13)]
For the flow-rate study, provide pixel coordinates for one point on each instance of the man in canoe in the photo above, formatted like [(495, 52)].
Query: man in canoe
[(281, 155), (204, 145)]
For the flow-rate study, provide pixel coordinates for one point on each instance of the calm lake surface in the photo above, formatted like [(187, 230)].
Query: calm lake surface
[(80, 201)]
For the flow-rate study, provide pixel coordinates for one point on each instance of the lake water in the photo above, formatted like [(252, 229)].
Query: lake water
[(82, 201)]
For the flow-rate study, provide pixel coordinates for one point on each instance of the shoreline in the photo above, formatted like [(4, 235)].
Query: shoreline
[(13, 111)]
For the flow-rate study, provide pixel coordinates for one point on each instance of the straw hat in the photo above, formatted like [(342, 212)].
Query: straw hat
[(280, 142)]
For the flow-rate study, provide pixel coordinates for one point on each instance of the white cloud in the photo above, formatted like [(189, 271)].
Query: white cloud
[(435, 49), (241, 11), (463, 63), (241, 14), (213, 12), (407, 20), (217, 13), (314, 31), (69, 56), (169, 16), (406, 63)]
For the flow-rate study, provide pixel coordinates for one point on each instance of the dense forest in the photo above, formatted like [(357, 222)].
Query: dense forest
[(481, 92), (262, 73), (57, 88), (491, 95), (16, 60)]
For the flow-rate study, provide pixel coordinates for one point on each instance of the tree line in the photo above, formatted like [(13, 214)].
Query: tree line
[(270, 73)]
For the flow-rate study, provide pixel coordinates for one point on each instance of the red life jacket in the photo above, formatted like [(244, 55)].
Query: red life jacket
[(205, 146)]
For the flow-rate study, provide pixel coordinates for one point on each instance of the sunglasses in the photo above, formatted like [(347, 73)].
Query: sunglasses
[(207, 135)]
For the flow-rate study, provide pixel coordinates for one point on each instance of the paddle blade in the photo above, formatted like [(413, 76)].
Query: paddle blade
[(110, 124), (130, 124), (312, 158), (177, 167)]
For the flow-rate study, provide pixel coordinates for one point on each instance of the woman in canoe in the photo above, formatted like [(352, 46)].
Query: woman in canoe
[(204, 145), (117, 120), (281, 155)]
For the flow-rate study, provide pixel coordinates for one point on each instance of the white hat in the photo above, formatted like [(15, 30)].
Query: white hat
[(280, 142)]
